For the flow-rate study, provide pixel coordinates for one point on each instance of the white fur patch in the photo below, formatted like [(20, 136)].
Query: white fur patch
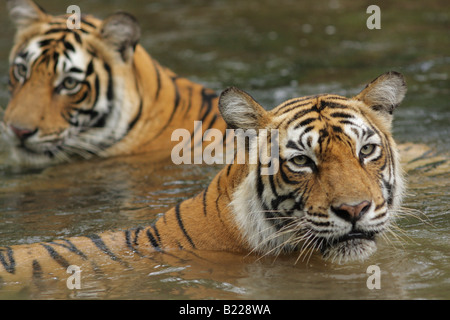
[(249, 216)]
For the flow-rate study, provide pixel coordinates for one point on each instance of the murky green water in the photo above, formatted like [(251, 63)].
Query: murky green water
[(275, 50)]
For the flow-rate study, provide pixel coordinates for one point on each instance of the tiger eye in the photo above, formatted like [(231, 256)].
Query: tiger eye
[(70, 83), (367, 149), (21, 70), (300, 160)]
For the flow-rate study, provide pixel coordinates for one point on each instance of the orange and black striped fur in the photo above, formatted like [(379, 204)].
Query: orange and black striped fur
[(337, 188), (90, 91)]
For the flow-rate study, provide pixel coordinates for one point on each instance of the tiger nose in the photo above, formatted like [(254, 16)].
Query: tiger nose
[(22, 134), (352, 212)]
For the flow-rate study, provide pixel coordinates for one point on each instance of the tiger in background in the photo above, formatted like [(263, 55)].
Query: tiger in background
[(338, 187), (93, 91)]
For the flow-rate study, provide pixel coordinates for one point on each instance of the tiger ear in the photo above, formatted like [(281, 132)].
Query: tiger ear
[(241, 111), (121, 31), (384, 93), (24, 12)]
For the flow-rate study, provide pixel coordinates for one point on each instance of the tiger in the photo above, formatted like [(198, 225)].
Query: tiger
[(337, 189), (93, 91)]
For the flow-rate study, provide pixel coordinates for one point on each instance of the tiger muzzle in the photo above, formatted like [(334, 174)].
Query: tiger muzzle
[(351, 213)]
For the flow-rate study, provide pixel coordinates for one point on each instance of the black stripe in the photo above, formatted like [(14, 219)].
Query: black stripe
[(207, 101), (292, 145), (136, 235), (281, 108), (323, 134), (333, 105), (379, 206), (84, 21), (228, 169), (92, 113), (152, 240), (45, 42), (204, 200), (334, 97), (336, 129), (55, 30), (136, 119), (37, 270), (319, 224), (128, 241), (177, 96), (309, 141), (68, 46), (259, 182), (306, 130), (380, 215), (67, 56), (305, 122), (180, 223), (388, 186), (284, 176), (219, 192), (56, 256), (341, 115), (76, 70), (10, 265), (110, 90), (189, 99), (272, 185), (23, 54), (356, 132), (378, 158), (158, 238), (348, 122), (90, 68), (158, 80), (368, 133), (55, 60), (98, 242), (130, 244), (275, 203), (175, 107), (97, 90), (77, 37), (89, 112), (83, 30), (302, 113), (318, 214), (71, 247)]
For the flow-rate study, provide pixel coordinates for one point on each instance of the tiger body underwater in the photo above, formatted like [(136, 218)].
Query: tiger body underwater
[(93, 90), (337, 189)]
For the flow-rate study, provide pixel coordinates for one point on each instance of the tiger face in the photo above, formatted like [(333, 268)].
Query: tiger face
[(69, 87), (339, 181)]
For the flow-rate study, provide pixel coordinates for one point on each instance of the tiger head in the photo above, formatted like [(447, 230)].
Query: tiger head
[(338, 183), (69, 84)]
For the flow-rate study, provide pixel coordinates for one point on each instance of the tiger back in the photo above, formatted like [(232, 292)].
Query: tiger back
[(336, 190), (94, 91)]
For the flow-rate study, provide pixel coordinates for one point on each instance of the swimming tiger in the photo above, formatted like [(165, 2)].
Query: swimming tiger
[(337, 189), (93, 90)]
